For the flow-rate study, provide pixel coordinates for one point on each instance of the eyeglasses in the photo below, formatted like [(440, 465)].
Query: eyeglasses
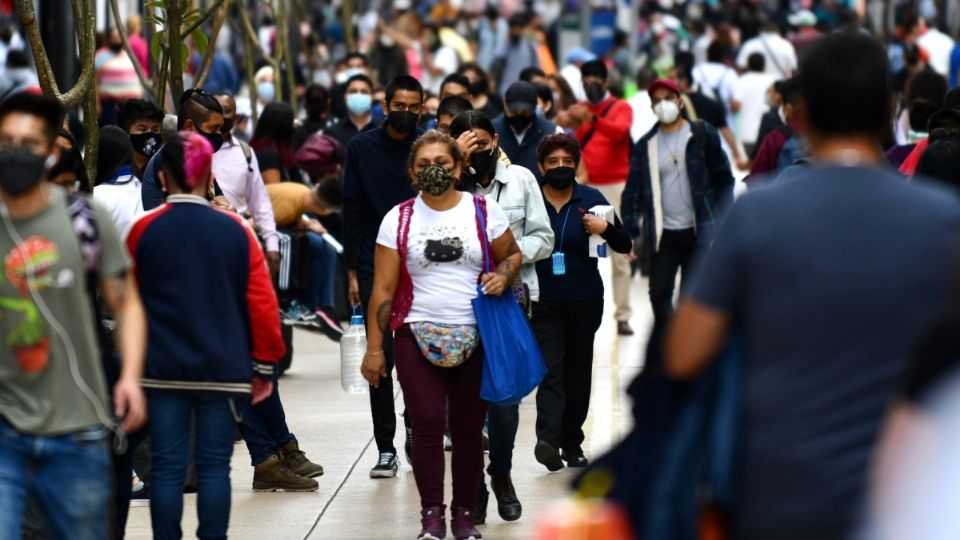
[(201, 97)]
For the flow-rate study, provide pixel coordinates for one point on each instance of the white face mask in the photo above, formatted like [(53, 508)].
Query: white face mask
[(783, 114), (667, 112)]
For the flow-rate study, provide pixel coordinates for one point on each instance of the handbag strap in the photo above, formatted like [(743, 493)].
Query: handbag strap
[(403, 297), (480, 204), (593, 129)]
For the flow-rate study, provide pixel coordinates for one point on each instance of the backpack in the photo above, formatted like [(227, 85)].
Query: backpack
[(247, 154)]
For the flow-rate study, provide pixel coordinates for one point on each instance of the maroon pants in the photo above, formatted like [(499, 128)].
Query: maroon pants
[(426, 390)]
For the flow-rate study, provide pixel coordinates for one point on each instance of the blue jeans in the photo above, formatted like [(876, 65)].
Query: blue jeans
[(264, 426), (323, 268), (170, 414), (68, 475)]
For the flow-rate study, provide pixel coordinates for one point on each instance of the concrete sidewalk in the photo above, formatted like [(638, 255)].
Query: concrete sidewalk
[(334, 429)]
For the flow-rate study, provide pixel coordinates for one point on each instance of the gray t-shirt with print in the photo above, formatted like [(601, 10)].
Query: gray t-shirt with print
[(41, 258), (677, 199)]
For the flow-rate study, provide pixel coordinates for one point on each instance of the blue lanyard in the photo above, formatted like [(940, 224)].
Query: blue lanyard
[(563, 231)]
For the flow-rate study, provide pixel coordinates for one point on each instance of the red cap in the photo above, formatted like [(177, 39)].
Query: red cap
[(669, 84)]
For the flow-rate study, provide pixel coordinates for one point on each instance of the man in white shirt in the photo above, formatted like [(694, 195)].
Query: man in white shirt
[(571, 72), (780, 58), (938, 45), (716, 78), (752, 95), (239, 177)]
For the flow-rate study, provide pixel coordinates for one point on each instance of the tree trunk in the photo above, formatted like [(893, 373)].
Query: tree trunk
[(175, 50), (248, 52), (283, 33), (348, 25), (203, 70)]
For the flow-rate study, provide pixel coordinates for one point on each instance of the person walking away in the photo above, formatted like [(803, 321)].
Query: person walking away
[(56, 417), (116, 188), (602, 125), (570, 310), (719, 80), (116, 78), (216, 335), (519, 129), (359, 116), (142, 120), (376, 179), (272, 141), (752, 92), (780, 58), (674, 161), (516, 190), (856, 312), (429, 261)]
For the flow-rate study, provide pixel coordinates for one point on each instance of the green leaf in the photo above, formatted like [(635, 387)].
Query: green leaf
[(156, 43), (200, 40), (185, 53)]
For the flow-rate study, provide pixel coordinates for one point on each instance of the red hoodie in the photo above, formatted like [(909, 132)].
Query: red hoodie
[(607, 153)]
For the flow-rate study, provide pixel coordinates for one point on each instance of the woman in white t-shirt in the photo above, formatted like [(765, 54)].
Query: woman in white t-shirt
[(429, 262)]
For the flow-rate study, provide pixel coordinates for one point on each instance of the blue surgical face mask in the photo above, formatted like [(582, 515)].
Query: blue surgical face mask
[(266, 91), (359, 104)]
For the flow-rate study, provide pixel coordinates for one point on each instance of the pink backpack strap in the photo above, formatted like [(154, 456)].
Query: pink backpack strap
[(403, 297)]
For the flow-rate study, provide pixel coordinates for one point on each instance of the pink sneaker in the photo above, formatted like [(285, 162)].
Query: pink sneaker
[(434, 524), (463, 525)]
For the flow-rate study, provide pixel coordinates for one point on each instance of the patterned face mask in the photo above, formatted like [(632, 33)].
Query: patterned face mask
[(434, 180)]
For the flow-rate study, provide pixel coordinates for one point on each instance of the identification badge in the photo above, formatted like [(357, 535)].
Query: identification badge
[(559, 264)]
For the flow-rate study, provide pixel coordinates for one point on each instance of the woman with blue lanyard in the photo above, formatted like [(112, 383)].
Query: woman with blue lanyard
[(570, 309)]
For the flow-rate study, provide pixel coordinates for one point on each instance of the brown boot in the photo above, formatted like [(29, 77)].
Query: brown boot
[(272, 475), (295, 460)]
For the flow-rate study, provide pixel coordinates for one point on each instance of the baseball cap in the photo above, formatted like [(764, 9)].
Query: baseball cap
[(579, 54), (521, 97), (669, 84), (804, 17)]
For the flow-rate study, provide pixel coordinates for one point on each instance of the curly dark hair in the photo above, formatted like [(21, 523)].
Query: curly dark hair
[(558, 141), (435, 137)]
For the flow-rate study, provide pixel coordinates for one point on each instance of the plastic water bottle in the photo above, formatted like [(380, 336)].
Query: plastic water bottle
[(353, 345)]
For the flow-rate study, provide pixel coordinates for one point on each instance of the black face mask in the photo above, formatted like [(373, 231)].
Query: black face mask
[(228, 126), (116, 47), (145, 144), (520, 123), (595, 92), (403, 121), (482, 162), (560, 177), (70, 162), (20, 170), (479, 87), (215, 139)]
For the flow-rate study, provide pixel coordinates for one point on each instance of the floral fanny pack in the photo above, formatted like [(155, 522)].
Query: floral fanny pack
[(446, 345)]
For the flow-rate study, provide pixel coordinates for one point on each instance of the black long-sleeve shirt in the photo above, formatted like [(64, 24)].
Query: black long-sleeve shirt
[(374, 181), (582, 279)]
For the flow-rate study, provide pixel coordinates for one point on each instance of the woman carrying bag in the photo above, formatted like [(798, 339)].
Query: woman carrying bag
[(570, 309), (428, 264)]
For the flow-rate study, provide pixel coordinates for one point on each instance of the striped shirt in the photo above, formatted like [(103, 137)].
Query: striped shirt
[(116, 76)]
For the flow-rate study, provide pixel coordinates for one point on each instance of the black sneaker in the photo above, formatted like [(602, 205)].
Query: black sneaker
[(328, 325), (386, 466), (574, 458), (480, 511), (548, 455), (408, 446)]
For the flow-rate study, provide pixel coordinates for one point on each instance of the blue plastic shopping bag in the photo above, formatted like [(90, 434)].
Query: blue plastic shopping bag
[(512, 363)]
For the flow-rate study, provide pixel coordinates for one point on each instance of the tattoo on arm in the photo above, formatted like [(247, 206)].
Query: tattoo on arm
[(383, 315), (114, 289), (505, 268)]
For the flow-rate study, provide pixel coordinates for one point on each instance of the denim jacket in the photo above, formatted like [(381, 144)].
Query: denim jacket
[(711, 183), (516, 191)]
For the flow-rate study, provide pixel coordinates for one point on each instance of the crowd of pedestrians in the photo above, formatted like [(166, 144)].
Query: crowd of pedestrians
[(428, 171)]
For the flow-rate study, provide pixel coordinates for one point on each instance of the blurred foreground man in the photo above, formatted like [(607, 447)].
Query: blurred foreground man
[(830, 278)]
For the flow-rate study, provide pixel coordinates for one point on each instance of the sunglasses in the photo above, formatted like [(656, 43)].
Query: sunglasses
[(201, 97)]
